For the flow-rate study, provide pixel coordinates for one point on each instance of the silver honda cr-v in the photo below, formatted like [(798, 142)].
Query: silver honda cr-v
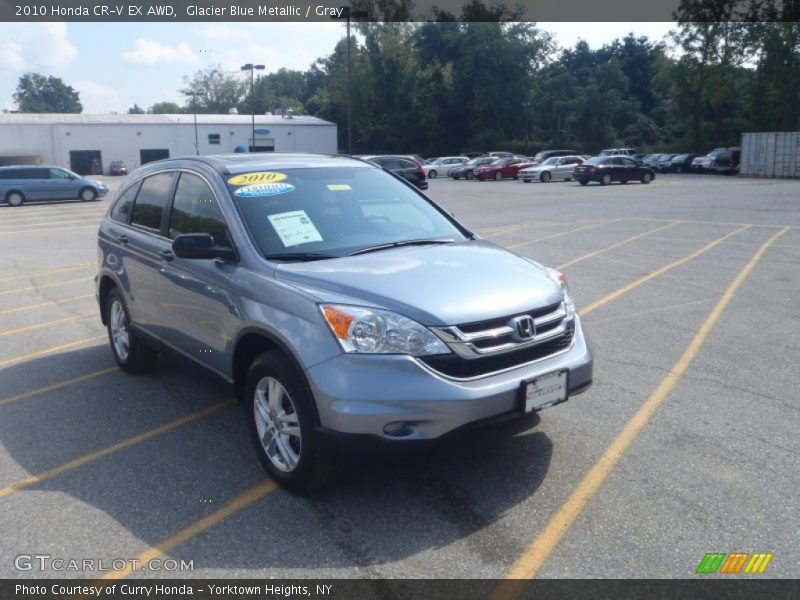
[(341, 303)]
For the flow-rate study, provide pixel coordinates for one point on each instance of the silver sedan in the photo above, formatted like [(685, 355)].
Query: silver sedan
[(556, 167)]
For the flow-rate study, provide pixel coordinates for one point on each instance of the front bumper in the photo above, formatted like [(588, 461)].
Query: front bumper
[(360, 394)]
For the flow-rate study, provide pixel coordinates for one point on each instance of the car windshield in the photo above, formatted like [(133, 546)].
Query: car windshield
[(312, 213), (680, 157), (551, 161), (473, 161)]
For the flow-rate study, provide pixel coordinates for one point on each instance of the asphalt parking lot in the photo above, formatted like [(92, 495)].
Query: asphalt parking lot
[(688, 288)]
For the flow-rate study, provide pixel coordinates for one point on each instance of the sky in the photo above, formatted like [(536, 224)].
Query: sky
[(117, 65)]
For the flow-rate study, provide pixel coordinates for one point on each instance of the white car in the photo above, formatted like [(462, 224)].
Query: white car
[(555, 167), (443, 165)]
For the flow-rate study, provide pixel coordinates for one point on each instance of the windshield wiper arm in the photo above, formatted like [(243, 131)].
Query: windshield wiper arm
[(421, 242), (300, 256)]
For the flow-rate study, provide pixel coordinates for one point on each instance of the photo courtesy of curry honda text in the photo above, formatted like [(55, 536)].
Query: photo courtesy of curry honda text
[(345, 307)]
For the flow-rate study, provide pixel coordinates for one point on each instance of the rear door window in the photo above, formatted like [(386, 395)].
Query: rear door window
[(122, 207), (148, 209)]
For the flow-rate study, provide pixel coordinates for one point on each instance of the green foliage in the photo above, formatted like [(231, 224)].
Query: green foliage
[(136, 110), (221, 90), (165, 108), (39, 94)]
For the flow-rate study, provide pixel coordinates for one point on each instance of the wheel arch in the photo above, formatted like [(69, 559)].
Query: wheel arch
[(104, 287)]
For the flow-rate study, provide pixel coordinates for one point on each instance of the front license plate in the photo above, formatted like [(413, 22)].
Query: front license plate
[(544, 391)]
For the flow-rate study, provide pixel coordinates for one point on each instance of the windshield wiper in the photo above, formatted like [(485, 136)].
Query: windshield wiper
[(421, 242), (300, 256)]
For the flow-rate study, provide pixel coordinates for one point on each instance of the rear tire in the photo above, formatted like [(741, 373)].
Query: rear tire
[(456, 177), (432, 174), (605, 179), (498, 176), (526, 180), (282, 417), (130, 351), (15, 198), (470, 175), (583, 181)]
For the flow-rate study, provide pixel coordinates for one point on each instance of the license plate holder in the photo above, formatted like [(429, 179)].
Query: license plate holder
[(544, 391)]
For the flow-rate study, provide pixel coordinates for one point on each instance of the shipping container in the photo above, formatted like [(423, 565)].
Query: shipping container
[(771, 154)]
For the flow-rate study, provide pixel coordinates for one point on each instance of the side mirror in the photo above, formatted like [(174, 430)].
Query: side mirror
[(200, 246)]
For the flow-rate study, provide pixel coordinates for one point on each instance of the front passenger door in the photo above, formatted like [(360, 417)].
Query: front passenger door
[(197, 314)]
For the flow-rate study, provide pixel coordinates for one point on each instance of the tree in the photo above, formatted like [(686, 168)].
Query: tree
[(135, 110), (39, 94), (165, 108), (222, 90)]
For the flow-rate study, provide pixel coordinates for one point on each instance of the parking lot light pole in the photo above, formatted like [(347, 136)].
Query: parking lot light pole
[(194, 94), (348, 14), (253, 68)]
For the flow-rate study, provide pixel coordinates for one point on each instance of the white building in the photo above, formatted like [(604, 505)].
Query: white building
[(83, 143)]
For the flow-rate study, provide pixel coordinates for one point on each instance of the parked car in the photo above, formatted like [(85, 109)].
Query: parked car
[(555, 167), (681, 163), (467, 170), (618, 152), (653, 160), (443, 166), (500, 169), (500, 154), (117, 167), (344, 307), (725, 161), (697, 164), (605, 169), (403, 166), (663, 163), (542, 156), (18, 184)]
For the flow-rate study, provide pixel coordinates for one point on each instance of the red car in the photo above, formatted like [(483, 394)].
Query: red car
[(501, 168)]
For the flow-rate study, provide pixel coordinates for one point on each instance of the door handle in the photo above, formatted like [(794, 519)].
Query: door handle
[(167, 255), (122, 239)]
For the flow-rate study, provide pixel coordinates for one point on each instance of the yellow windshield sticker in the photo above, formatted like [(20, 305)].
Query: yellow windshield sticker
[(257, 177), (339, 187)]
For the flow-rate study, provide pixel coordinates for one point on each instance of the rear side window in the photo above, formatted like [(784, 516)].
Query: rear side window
[(122, 207), (195, 210), (58, 174), (151, 200)]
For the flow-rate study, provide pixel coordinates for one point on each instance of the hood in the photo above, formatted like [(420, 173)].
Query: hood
[(436, 285)]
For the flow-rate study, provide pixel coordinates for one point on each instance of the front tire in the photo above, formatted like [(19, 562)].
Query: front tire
[(583, 181), (470, 175), (646, 178), (87, 195), (15, 198), (498, 176), (545, 177), (130, 351), (282, 418)]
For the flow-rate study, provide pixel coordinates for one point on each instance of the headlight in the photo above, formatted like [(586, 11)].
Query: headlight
[(372, 331), (561, 280)]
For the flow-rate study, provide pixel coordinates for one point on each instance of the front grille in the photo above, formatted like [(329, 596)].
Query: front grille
[(453, 365), (477, 326)]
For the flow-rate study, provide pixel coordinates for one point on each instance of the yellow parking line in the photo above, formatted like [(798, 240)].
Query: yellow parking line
[(6, 332), (555, 235), (51, 350), (39, 305), (46, 285), (713, 222), (537, 553), (57, 386), (126, 443), (45, 223), (617, 245), (652, 275), (2, 233), (50, 272), (243, 500)]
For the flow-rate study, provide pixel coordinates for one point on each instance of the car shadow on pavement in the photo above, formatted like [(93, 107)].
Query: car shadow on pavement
[(385, 508)]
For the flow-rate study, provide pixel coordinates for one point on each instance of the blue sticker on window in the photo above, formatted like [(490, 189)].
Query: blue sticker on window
[(264, 189)]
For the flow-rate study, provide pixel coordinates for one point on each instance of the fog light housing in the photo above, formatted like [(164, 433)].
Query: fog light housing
[(397, 429)]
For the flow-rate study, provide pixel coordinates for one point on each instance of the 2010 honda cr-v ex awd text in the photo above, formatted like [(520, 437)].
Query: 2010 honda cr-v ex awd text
[(341, 303)]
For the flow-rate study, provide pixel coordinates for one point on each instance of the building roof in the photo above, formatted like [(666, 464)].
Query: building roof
[(126, 119)]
